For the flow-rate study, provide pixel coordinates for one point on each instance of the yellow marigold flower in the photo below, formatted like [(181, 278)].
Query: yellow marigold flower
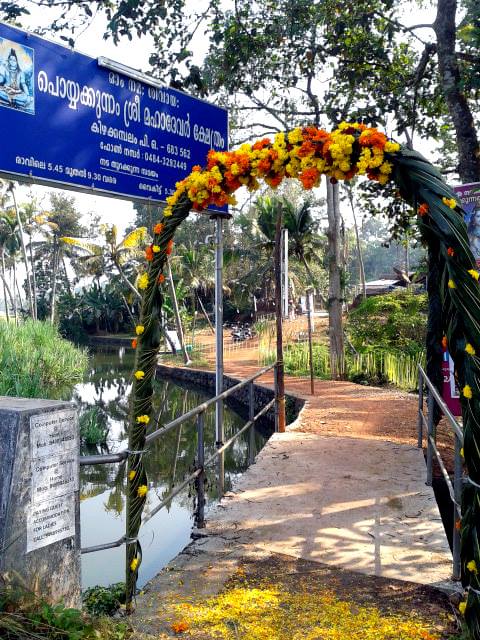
[(469, 349), (386, 167), (295, 136), (467, 391), (139, 375), (155, 248), (134, 564), (391, 147), (462, 452), (472, 566), (143, 281), (451, 284), (139, 329), (462, 606), (132, 474), (474, 273), (143, 419), (450, 202), (142, 490)]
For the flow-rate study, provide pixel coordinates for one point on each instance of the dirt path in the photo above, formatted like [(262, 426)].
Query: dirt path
[(340, 408)]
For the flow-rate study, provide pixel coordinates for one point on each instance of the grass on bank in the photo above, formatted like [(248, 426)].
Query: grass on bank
[(376, 367), (36, 362)]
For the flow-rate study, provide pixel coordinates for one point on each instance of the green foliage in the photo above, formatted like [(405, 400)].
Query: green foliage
[(35, 362), (397, 320), (94, 426), (24, 616), (99, 601), (376, 367)]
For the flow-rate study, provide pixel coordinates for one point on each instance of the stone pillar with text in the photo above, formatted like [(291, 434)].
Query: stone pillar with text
[(39, 497)]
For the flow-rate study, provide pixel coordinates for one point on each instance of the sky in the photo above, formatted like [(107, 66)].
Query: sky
[(135, 54)]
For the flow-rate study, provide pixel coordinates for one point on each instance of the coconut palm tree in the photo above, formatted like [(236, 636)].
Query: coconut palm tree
[(112, 252), (196, 267), (9, 245)]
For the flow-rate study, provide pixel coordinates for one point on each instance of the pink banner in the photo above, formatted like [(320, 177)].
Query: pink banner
[(469, 195)]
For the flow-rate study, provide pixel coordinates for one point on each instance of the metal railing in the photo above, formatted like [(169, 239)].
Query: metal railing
[(198, 475), (428, 423)]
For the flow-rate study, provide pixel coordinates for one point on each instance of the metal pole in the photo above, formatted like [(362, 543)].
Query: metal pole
[(251, 417), (285, 273), (200, 481), (457, 492), (420, 410), (430, 434), (219, 435), (310, 346), (275, 385)]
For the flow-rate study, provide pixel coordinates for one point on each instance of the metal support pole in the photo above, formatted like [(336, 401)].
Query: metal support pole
[(457, 492), (430, 434), (219, 433), (275, 385), (285, 273), (200, 481), (420, 410), (251, 417)]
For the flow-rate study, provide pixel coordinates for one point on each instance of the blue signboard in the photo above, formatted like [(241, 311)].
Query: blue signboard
[(65, 120)]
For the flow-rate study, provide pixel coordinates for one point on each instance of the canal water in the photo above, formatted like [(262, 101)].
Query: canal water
[(104, 398)]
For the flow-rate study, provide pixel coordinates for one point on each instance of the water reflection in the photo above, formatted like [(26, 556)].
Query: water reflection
[(169, 460)]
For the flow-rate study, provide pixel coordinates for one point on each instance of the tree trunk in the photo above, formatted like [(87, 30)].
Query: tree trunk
[(56, 259), (5, 288), (460, 113), (212, 328), (176, 312), (14, 287), (126, 280), (24, 251), (278, 316), (335, 296), (359, 248), (34, 281), (67, 279)]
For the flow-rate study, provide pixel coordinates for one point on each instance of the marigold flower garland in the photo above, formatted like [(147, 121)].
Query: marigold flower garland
[(306, 154)]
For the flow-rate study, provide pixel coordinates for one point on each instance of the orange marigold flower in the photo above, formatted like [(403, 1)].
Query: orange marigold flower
[(161, 278), (196, 168), (134, 343), (180, 627), (309, 178), (169, 248), (450, 251), (423, 209), (261, 144), (444, 342), (149, 253), (458, 525), (158, 228)]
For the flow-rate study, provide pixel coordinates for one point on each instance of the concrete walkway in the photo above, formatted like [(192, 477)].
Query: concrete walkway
[(355, 503)]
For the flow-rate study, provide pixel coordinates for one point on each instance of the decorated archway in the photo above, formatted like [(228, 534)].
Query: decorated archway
[(306, 154)]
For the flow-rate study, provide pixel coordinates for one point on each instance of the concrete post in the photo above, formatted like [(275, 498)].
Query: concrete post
[(39, 497)]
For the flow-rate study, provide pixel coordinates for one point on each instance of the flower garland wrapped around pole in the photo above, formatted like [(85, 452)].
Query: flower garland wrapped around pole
[(306, 154)]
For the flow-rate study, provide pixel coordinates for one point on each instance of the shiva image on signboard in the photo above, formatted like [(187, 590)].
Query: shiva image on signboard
[(16, 76)]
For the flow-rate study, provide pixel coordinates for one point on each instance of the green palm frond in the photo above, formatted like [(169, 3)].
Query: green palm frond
[(85, 245)]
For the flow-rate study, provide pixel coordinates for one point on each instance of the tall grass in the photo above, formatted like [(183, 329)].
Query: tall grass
[(35, 362), (379, 366)]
